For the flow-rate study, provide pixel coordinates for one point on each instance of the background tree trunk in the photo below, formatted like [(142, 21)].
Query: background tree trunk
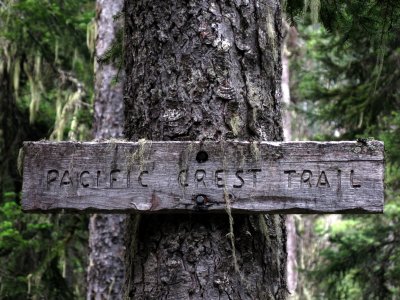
[(199, 70), (291, 244), (106, 241)]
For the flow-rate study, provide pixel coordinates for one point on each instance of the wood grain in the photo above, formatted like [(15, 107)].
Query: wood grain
[(155, 177)]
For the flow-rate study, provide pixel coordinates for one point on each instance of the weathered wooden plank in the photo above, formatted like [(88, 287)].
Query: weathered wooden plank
[(149, 177)]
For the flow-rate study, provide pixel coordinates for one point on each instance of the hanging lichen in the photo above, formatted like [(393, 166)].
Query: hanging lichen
[(271, 28), (37, 65), (16, 77), (35, 98), (56, 52), (71, 108), (91, 36), (1, 67), (228, 209), (35, 85), (263, 226), (381, 51), (231, 234), (73, 132), (75, 58), (138, 157), (235, 124), (314, 7), (255, 151)]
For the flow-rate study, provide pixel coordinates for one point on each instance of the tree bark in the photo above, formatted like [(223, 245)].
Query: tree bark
[(106, 269), (204, 70)]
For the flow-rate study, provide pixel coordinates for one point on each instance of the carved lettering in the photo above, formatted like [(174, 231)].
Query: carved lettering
[(97, 179), (254, 171), (66, 179), (306, 178), (200, 175), (140, 179), (323, 180), (240, 178), (113, 177), (82, 178), (52, 176), (219, 181), (183, 178), (352, 183), (90, 179), (289, 172)]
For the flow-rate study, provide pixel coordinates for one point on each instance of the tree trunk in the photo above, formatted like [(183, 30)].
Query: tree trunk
[(106, 240), (287, 118), (204, 70), (291, 243)]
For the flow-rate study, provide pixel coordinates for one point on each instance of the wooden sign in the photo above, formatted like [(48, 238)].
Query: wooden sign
[(149, 177)]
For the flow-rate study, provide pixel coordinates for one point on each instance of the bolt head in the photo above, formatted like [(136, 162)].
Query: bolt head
[(200, 199)]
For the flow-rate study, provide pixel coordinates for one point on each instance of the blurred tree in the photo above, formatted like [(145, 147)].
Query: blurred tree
[(289, 34), (105, 276)]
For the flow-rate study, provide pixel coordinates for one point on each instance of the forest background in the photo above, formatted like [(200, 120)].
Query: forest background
[(344, 85)]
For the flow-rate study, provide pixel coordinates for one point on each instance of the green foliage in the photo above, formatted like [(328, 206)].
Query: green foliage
[(343, 70), (346, 79), (362, 261), (33, 253), (347, 19)]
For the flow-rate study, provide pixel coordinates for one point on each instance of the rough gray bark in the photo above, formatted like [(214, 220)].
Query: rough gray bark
[(105, 274), (200, 70)]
